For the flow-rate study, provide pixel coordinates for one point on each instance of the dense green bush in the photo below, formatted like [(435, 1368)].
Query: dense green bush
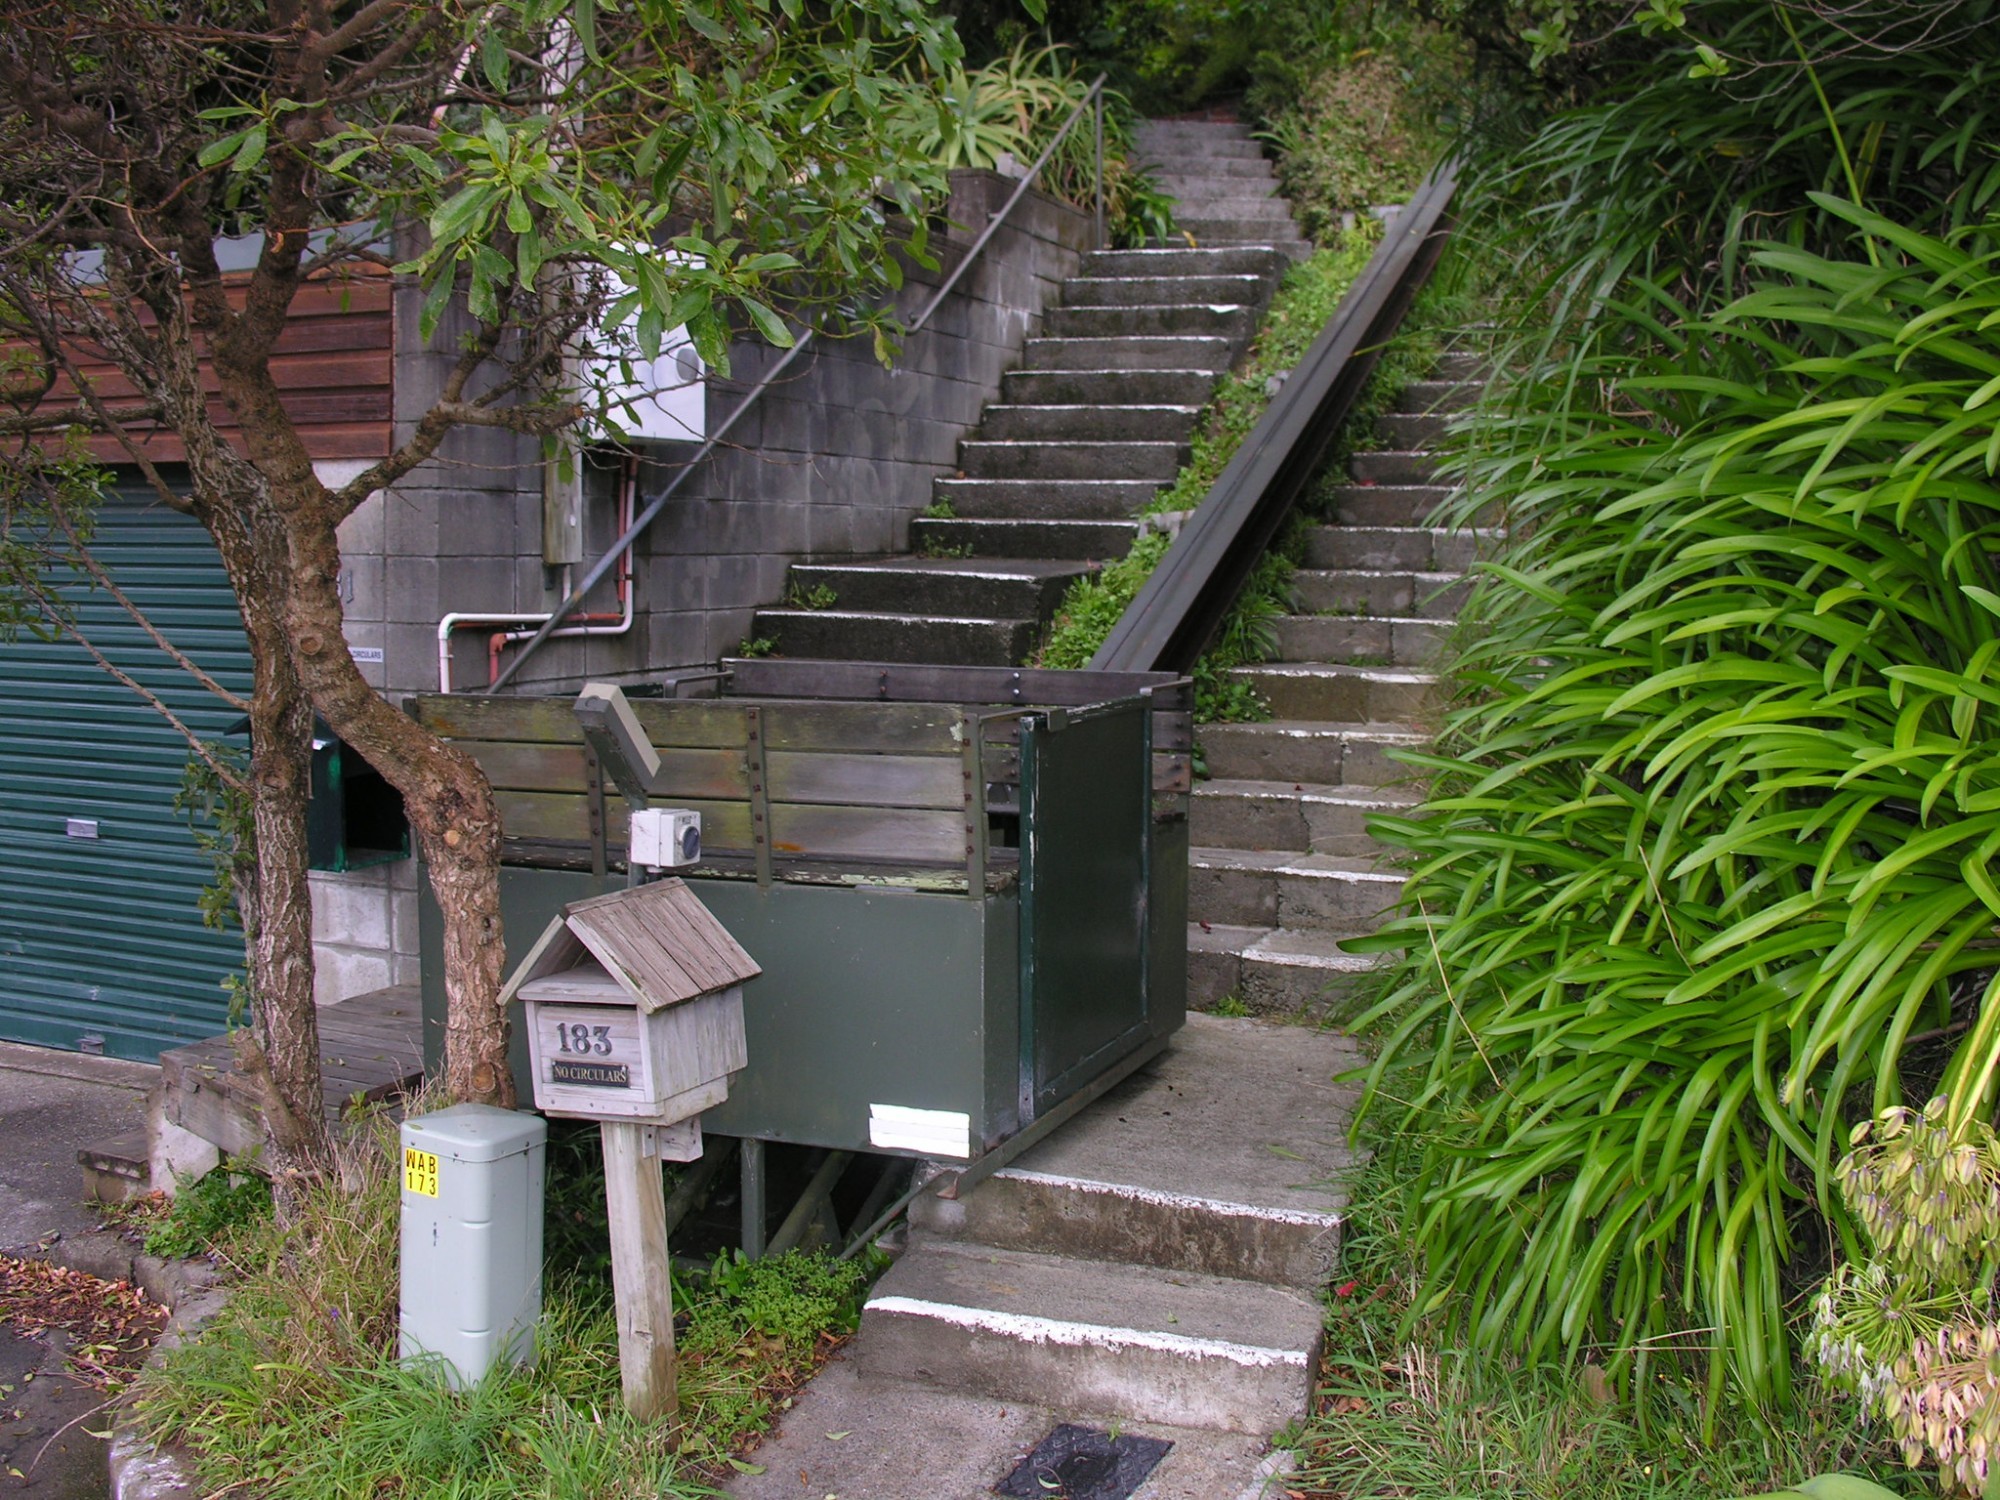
[(1704, 875), (1708, 854)]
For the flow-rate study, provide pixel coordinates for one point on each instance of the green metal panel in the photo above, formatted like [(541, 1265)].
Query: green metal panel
[(1086, 825), (870, 994), (103, 936)]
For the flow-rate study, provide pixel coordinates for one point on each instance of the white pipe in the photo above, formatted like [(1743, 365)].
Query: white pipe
[(451, 622)]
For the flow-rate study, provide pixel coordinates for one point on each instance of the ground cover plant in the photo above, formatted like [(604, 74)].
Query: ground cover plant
[(1704, 879), (295, 1390), (1403, 1410)]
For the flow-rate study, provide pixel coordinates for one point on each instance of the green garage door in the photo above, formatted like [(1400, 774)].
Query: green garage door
[(100, 933)]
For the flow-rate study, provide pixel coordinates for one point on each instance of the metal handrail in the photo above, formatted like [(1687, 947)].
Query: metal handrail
[(1093, 99), (1177, 610)]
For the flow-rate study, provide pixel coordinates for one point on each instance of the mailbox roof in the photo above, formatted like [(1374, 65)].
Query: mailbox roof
[(657, 940)]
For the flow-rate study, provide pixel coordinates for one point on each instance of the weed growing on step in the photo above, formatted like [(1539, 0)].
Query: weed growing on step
[(819, 596), (757, 645), (295, 1391), (932, 547)]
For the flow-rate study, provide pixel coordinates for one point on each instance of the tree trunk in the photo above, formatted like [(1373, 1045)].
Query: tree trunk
[(283, 1056), (447, 798)]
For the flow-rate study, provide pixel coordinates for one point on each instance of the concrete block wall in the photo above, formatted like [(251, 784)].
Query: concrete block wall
[(364, 929), (839, 457)]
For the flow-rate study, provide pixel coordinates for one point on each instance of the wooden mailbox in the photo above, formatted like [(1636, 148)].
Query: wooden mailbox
[(634, 1007)]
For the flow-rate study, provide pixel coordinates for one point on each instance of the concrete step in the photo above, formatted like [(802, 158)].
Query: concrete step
[(1272, 971), (1160, 154), (1029, 589), (1100, 541), (1222, 1157), (1183, 131), (1387, 504), (1088, 423), (1017, 459), (1462, 365), (118, 1170), (1416, 549), (1219, 176), (1322, 690), (1408, 430), (1309, 752), (1061, 499), (1186, 260), (1364, 591), (1095, 1337), (1206, 199), (1239, 167), (1233, 321), (1361, 640), (1298, 892), (1243, 290), (1394, 466), (855, 635), (1439, 395), (862, 1438), (1253, 225), (1298, 817), (1108, 387), (1138, 352)]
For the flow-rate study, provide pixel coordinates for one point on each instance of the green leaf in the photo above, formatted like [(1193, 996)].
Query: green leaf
[(769, 324)]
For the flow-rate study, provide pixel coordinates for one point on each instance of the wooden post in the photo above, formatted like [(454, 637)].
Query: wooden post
[(641, 1279)]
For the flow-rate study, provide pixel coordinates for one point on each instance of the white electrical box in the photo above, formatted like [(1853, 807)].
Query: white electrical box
[(472, 1237), (633, 1007), (665, 838), (666, 400)]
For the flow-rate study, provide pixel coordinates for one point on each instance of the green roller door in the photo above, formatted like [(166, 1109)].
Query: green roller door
[(102, 937)]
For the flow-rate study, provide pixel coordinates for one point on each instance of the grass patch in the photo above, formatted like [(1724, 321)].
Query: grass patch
[(295, 1391), (206, 1212), (1403, 1412)]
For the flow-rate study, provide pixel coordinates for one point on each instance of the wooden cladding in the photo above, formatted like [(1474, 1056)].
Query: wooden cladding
[(334, 364), (849, 785)]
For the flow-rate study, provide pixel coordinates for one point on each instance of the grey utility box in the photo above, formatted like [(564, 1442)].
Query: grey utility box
[(472, 1237)]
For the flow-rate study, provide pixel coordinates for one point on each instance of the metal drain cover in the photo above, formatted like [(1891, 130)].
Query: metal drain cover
[(1081, 1463)]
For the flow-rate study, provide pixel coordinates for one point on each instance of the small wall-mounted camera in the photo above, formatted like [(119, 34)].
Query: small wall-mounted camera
[(665, 838)]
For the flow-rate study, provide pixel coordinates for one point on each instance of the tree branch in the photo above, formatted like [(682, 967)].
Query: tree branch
[(82, 555)]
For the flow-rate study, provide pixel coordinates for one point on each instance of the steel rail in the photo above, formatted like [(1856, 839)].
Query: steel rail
[(1093, 98), (1176, 612)]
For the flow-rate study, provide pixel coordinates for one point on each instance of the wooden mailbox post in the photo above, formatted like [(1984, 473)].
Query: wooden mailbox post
[(634, 1015)]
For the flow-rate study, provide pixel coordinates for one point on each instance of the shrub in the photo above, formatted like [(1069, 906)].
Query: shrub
[(1708, 854)]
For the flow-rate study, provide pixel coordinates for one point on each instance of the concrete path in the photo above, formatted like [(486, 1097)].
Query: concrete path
[(52, 1104)]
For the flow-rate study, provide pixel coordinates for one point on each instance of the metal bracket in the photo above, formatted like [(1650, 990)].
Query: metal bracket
[(756, 768)]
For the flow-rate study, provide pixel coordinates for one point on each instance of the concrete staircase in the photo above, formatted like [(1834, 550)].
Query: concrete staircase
[(1282, 868), (1094, 422), (1153, 1268)]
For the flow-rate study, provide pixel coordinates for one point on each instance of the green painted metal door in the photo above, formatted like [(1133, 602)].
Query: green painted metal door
[(101, 937), (1086, 816)]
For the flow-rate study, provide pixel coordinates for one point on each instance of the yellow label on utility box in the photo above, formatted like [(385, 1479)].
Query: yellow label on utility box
[(420, 1172)]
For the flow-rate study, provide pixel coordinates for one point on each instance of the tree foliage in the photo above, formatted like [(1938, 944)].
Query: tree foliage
[(558, 175)]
